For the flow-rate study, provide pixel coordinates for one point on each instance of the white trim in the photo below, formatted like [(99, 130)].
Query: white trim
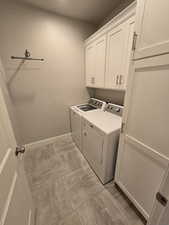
[(115, 21), (147, 150), (132, 199), (8, 201), (30, 217), (43, 142), (4, 161)]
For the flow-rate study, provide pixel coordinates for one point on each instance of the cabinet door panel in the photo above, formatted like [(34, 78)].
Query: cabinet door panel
[(100, 60), (115, 51), (90, 65), (152, 28)]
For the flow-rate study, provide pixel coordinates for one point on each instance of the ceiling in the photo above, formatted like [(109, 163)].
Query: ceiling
[(92, 11)]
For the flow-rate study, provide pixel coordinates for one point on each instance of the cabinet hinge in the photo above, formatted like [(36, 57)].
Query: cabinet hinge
[(134, 41), (122, 127)]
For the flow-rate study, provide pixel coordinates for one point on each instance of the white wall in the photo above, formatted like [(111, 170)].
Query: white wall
[(41, 92)]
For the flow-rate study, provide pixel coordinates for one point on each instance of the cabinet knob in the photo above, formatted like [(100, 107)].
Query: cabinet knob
[(85, 134)]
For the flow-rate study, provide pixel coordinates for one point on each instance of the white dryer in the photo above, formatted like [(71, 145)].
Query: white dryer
[(76, 113), (100, 137)]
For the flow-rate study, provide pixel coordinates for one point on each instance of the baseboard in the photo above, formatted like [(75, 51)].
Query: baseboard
[(43, 142)]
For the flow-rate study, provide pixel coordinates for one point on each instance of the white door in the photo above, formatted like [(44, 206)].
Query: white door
[(143, 153), (100, 61), (90, 65), (160, 213), (93, 146), (152, 28), (15, 200), (115, 53)]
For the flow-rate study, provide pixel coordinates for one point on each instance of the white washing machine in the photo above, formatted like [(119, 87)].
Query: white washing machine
[(76, 113), (100, 137)]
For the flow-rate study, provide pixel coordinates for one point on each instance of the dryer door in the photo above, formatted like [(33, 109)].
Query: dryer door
[(93, 140)]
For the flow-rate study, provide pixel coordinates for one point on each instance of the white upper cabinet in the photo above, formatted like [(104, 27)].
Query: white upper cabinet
[(100, 61), (95, 62), (115, 52), (152, 28), (108, 53), (90, 65), (118, 55)]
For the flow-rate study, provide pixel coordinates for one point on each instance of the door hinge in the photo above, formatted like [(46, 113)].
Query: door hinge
[(19, 150), (134, 41), (161, 199), (122, 127)]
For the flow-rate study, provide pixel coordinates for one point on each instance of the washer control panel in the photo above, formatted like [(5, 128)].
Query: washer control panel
[(97, 103), (115, 109)]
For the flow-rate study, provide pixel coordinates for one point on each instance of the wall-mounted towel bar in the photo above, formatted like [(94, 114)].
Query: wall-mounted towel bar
[(26, 57)]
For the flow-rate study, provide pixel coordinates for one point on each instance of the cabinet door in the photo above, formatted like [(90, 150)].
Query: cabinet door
[(90, 65), (129, 29), (100, 61), (152, 28), (143, 153), (115, 53), (93, 146)]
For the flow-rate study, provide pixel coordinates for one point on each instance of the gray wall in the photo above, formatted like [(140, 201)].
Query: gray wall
[(122, 4), (116, 97), (41, 92)]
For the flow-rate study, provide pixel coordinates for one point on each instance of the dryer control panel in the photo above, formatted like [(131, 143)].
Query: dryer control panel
[(114, 109)]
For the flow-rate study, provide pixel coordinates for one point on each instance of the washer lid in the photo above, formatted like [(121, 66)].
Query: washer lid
[(105, 121)]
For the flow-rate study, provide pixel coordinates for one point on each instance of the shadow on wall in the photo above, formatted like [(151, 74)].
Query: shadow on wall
[(9, 104), (113, 96), (17, 73)]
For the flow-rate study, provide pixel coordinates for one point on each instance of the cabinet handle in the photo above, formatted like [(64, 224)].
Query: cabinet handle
[(85, 134), (117, 79), (121, 79), (91, 126), (93, 80)]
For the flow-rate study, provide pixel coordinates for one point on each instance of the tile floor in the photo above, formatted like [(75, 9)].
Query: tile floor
[(67, 192)]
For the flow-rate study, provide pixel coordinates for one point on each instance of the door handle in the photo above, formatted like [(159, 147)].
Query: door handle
[(161, 199), (19, 149)]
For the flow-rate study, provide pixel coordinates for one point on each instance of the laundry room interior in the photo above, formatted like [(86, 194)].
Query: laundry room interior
[(84, 88)]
